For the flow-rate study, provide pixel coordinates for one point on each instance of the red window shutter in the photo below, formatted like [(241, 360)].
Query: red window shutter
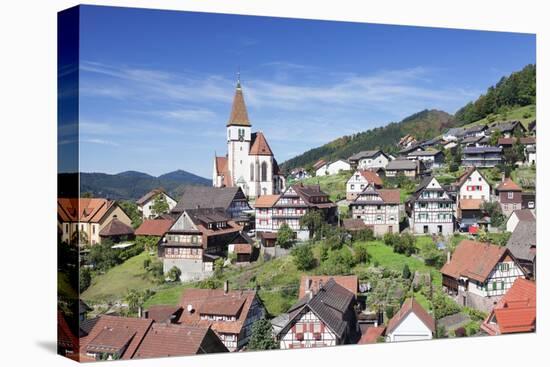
[(322, 327)]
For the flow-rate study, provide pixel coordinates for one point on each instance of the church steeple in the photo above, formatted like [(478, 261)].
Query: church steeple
[(239, 115)]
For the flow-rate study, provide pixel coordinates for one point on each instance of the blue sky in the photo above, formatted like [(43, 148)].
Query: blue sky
[(156, 86)]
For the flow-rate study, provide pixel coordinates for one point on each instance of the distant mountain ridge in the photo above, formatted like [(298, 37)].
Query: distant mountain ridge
[(131, 185)]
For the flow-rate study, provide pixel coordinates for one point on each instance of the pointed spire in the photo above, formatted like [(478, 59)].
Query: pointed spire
[(239, 114)]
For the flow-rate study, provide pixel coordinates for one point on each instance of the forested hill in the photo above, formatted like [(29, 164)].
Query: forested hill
[(517, 89), (129, 185), (423, 125)]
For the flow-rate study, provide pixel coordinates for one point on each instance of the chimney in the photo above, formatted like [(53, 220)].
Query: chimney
[(448, 257), (140, 312), (226, 287)]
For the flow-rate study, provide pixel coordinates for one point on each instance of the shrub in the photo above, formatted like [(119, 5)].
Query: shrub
[(285, 236), (460, 332), (472, 328), (262, 336), (363, 235), (302, 257), (443, 305), (405, 244), (338, 262), (389, 311), (146, 263), (361, 253), (85, 278), (174, 274), (406, 272)]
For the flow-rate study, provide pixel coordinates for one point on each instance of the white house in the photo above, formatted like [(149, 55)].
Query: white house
[(369, 159), (333, 168), (359, 180), (412, 322), (472, 185), (145, 203)]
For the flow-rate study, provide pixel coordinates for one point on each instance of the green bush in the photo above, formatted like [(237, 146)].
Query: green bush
[(361, 253), (302, 257)]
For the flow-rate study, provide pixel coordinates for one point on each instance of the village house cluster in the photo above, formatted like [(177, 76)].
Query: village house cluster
[(241, 215)]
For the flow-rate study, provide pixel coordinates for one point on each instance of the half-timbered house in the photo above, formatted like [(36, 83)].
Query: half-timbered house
[(230, 313), (321, 319), (479, 274), (196, 239), (359, 180), (290, 206), (431, 209), (378, 208)]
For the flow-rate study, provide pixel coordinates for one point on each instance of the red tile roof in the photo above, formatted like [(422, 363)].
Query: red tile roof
[(371, 176), (390, 196), (266, 201), (154, 227), (474, 259), (162, 313), (222, 170), (260, 145), (168, 340), (110, 332), (372, 334), (83, 210), (508, 185), (150, 195), (320, 163), (410, 305), (116, 228), (215, 301), (516, 311), (239, 115), (470, 204), (349, 282)]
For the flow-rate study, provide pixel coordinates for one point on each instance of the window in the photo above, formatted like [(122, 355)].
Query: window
[(251, 171), (510, 195), (494, 286), (264, 171), (352, 186), (66, 227)]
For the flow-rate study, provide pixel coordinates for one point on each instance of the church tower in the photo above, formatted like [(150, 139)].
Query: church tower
[(238, 142)]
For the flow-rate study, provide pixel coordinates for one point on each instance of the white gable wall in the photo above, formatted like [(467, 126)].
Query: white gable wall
[(410, 328), (475, 187)]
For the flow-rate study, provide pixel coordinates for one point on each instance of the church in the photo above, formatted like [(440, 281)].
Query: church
[(249, 162)]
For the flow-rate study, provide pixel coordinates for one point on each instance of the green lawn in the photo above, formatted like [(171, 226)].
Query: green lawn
[(114, 284), (384, 256), (334, 185)]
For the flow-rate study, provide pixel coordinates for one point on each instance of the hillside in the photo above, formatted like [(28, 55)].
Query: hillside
[(423, 125), (516, 90), (513, 97), (131, 185)]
